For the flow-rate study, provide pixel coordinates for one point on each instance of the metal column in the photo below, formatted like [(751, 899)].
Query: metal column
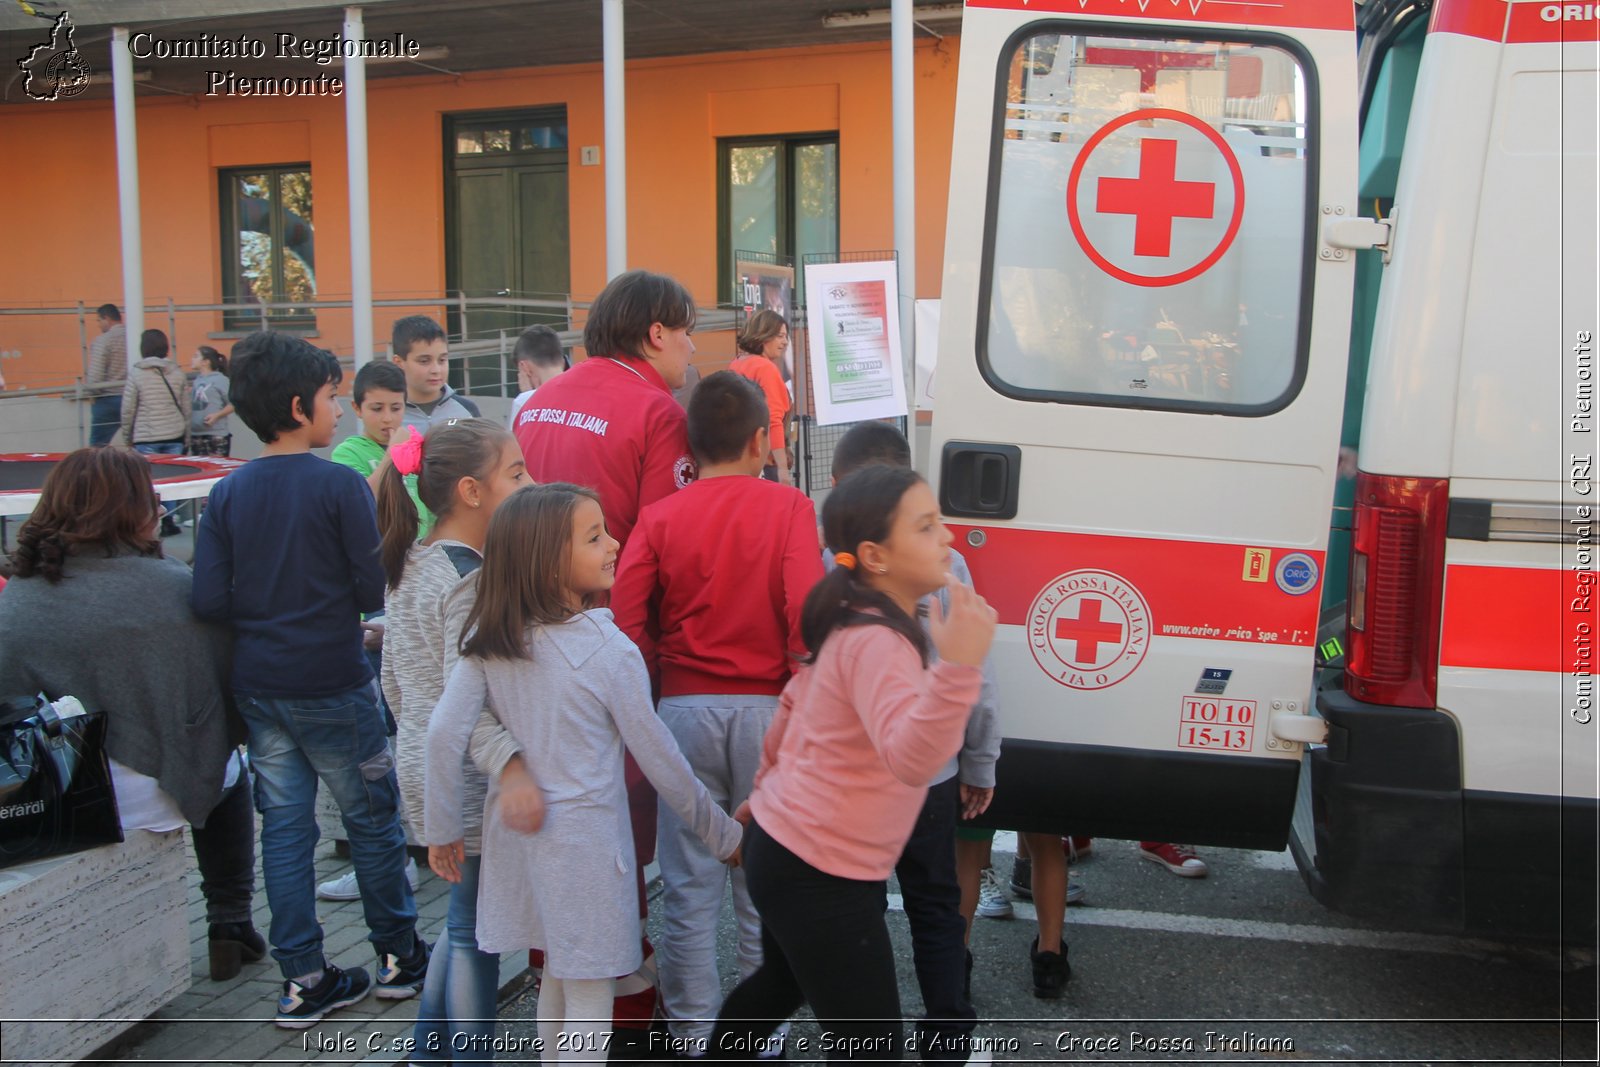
[(616, 161), (355, 135), (903, 81), (128, 191)]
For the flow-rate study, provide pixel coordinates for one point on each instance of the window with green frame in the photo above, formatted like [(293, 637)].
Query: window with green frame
[(778, 195), (268, 245)]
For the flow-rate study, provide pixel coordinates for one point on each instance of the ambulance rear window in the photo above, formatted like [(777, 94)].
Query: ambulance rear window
[(1146, 234)]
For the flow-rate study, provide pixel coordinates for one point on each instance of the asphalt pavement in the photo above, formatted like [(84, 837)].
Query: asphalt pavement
[(1242, 965)]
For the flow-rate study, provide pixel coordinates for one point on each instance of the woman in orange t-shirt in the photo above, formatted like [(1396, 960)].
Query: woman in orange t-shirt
[(763, 343)]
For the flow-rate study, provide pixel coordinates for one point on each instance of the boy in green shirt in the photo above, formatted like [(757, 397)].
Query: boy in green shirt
[(380, 402)]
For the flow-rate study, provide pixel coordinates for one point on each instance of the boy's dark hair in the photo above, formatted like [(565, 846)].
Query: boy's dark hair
[(109, 311), (869, 442), (412, 329), (725, 410), (379, 374), (621, 316), (860, 508), (541, 345), (153, 345), (269, 371)]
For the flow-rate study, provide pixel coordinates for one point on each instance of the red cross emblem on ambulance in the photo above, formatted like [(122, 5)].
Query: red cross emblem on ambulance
[(1155, 197), (1089, 629)]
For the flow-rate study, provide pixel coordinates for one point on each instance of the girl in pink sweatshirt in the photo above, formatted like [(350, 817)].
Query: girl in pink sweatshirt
[(860, 732)]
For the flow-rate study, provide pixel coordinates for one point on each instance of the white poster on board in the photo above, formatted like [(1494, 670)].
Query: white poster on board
[(854, 341)]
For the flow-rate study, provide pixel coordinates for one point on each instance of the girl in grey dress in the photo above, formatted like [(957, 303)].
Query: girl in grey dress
[(572, 690)]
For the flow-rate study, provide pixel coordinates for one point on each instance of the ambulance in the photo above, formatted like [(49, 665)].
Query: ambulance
[(1194, 247)]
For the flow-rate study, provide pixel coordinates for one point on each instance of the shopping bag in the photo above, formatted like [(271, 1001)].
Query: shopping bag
[(55, 783)]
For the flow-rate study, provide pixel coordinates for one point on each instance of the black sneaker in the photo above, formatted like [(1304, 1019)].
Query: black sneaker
[(1051, 972), (300, 1007), (401, 978), (1022, 878)]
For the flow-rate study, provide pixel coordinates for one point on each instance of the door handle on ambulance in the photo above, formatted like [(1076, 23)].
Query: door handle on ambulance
[(1357, 234), (980, 481), (1306, 729)]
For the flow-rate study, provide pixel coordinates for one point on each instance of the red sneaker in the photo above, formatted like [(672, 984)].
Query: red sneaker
[(1181, 860)]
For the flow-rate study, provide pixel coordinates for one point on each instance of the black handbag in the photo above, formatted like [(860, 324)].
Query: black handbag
[(56, 795)]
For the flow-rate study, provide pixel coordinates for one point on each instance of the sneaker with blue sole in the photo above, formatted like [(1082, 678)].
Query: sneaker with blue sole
[(302, 1006), (401, 978)]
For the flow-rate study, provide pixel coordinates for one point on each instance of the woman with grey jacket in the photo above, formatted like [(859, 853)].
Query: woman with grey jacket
[(155, 400), (94, 612)]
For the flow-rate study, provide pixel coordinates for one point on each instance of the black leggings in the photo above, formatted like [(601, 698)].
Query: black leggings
[(225, 852), (824, 943)]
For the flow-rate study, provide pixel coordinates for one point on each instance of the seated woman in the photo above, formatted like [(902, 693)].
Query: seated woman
[(94, 611)]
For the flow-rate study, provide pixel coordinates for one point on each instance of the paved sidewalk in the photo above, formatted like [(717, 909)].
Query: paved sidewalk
[(231, 1022)]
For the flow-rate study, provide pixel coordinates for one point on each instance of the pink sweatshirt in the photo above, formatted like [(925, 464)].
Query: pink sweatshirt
[(857, 738)]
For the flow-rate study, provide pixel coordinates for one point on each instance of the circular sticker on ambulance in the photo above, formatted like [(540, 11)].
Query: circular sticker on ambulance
[(1296, 574), (1089, 629)]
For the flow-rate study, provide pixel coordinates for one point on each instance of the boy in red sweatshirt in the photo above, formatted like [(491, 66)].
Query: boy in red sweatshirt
[(710, 587)]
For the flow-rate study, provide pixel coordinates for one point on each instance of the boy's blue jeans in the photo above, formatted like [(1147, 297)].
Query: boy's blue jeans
[(455, 1021), (340, 739)]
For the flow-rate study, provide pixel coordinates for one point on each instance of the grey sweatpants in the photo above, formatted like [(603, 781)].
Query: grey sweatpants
[(721, 738)]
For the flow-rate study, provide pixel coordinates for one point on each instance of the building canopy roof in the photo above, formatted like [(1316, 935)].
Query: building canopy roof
[(455, 37)]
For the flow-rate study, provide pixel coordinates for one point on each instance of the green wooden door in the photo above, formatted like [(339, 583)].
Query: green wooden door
[(508, 230)]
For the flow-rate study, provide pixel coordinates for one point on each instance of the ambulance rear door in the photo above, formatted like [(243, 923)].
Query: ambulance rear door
[(1140, 382)]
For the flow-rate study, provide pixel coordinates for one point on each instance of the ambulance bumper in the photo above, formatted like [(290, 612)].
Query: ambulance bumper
[(1398, 839), (1198, 798)]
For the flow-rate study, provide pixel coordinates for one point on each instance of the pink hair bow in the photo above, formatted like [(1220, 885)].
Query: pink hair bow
[(407, 452)]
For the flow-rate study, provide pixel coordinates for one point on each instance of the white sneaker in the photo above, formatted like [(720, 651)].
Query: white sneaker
[(993, 902), (345, 887)]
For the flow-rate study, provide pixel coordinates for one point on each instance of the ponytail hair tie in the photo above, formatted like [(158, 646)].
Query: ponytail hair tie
[(845, 560), (406, 453)]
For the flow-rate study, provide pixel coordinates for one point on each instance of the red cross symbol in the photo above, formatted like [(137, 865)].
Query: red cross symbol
[(1156, 197), (1087, 629)]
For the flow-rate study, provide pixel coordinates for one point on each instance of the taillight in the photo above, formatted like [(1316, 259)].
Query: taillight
[(1396, 589)]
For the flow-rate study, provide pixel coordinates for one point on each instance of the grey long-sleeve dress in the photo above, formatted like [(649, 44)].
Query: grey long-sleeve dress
[(568, 889)]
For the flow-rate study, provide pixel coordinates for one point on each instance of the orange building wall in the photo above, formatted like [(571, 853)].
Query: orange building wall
[(59, 218)]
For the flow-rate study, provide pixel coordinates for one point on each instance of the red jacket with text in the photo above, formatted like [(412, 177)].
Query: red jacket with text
[(611, 425)]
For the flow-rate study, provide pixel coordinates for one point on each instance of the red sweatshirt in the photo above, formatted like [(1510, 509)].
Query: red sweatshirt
[(612, 425), (711, 584)]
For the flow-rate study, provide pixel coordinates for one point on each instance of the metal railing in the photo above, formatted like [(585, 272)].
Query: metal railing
[(483, 365), (462, 314)]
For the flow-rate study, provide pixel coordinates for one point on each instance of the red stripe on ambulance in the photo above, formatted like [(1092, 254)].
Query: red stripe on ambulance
[(1517, 618), (1214, 592), (1485, 19), (1298, 14), (1573, 23), (1524, 23)]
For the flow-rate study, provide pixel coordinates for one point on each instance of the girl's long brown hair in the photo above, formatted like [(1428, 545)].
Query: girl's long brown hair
[(461, 448), (524, 580), (95, 498)]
